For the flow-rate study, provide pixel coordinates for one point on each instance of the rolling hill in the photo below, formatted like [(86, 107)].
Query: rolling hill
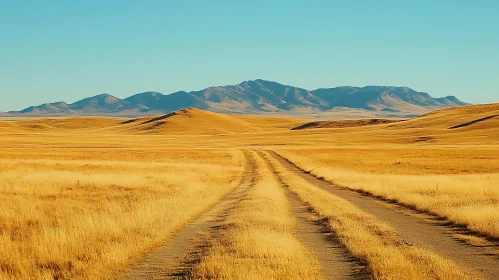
[(189, 120), (184, 121), (475, 124), (258, 97), (456, 119)]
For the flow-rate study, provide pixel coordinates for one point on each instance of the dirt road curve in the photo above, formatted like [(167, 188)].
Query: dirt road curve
[(414, 227), (166, 262)]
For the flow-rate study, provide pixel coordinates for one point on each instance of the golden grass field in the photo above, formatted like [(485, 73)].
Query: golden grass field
[(86, 197), (64, 215)]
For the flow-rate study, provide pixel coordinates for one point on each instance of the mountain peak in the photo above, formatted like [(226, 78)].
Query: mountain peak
[(102, 96), (258, 81), (150, 93), (144, 96)]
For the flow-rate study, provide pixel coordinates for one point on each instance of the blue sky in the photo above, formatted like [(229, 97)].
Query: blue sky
[(67, 50)]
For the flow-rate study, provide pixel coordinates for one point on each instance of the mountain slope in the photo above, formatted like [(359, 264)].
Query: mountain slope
[(104, 103), (258, 96)]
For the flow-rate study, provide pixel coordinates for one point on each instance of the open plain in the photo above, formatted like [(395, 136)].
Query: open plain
[(196, 194)]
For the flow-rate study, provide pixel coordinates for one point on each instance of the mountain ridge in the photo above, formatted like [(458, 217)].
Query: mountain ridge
[(255, 97)]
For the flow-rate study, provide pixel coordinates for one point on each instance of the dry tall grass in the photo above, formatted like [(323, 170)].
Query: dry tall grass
[(376, 243), (471, 200), (256, 240), (69, 217)]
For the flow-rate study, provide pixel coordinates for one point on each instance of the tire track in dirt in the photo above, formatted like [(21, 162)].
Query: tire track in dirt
[(335, 260), (414, 227), (169, 261)]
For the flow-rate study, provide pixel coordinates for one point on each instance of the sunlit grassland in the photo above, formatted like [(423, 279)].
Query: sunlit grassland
[(86, 197), (84, 213)]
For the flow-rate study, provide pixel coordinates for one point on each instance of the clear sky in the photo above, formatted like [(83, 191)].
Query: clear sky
[(67, 50)]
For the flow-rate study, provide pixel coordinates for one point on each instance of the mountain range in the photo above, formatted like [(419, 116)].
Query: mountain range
[(257, 97)]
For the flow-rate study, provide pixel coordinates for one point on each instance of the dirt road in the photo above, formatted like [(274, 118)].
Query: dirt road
[(414, 227), (335, 260)]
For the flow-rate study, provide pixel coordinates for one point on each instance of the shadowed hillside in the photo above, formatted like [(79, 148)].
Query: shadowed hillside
[(343, 123)]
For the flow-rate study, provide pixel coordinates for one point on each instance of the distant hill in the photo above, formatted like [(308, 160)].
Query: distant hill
[(465, 118), (189, 120), (258, 97), (184, 121)]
